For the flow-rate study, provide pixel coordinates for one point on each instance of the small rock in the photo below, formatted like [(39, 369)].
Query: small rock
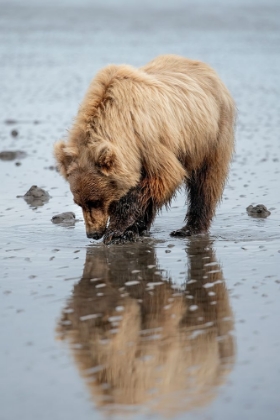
[(259, 211), (36, 192), (67, 219), (52, 168), (36, 197), (12, 155), (14, 133)]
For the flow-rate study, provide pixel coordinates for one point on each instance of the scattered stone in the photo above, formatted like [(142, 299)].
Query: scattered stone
[(14, 133), (52, 168), (66, 219), (10, 122), (12, 155), (259, 211), (35, 196)]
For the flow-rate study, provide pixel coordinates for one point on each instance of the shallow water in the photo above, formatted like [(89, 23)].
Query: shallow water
[(181, 328)]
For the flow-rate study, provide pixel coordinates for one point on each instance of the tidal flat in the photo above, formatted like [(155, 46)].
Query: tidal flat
[(165, 327)]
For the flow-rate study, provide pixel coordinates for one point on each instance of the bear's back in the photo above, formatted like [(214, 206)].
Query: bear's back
[(193, 74), (164, 64)]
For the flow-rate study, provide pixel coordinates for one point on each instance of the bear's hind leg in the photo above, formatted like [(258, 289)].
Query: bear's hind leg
[(205, 187), (206, 183)]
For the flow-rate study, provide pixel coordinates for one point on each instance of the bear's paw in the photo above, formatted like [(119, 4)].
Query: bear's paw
[(120, 237)]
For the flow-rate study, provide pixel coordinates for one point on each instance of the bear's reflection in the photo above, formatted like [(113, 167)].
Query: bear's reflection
[(138, 339)]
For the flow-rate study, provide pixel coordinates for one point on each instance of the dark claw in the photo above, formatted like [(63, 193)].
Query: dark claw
[(130, 236), (181, 233), (110, 236), (145, 233)]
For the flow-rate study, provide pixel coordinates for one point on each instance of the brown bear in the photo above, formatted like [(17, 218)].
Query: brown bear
[(138, 136)]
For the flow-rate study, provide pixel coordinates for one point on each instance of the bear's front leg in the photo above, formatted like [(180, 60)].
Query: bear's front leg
[(129, 218)]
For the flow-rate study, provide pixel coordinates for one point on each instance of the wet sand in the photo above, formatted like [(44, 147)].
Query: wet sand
[(179, 328)]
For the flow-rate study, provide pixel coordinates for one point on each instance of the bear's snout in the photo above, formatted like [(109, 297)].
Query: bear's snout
[(95, 221), (94, 235)]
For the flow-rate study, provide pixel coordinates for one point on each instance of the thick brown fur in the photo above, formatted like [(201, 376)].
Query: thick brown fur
[(139, 134)]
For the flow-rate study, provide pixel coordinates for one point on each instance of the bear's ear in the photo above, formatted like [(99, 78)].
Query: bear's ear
[(65, 155), (106, 158)]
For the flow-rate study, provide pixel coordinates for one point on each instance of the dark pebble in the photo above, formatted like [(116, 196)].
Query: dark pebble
[(14, 133)]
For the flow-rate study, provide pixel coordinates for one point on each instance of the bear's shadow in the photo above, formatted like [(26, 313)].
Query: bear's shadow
[(140, 340)]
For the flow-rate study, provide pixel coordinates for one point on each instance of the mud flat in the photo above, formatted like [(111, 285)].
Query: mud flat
[(186, 328)]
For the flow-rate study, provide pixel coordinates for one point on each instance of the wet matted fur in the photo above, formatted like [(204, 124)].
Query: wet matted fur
[(139, 135)]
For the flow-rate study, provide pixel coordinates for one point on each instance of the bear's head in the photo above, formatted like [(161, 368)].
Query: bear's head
[(98, 177)]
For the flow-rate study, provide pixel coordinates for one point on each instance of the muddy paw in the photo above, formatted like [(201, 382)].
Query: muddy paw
[(181, 233), (119, 237)]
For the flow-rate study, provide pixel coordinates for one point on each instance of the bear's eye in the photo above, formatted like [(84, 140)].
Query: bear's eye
[(93, 204)]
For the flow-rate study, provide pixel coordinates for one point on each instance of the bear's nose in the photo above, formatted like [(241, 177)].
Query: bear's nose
[(94, 235)]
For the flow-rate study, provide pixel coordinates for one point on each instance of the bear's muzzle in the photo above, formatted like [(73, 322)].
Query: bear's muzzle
[(94, 235)]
